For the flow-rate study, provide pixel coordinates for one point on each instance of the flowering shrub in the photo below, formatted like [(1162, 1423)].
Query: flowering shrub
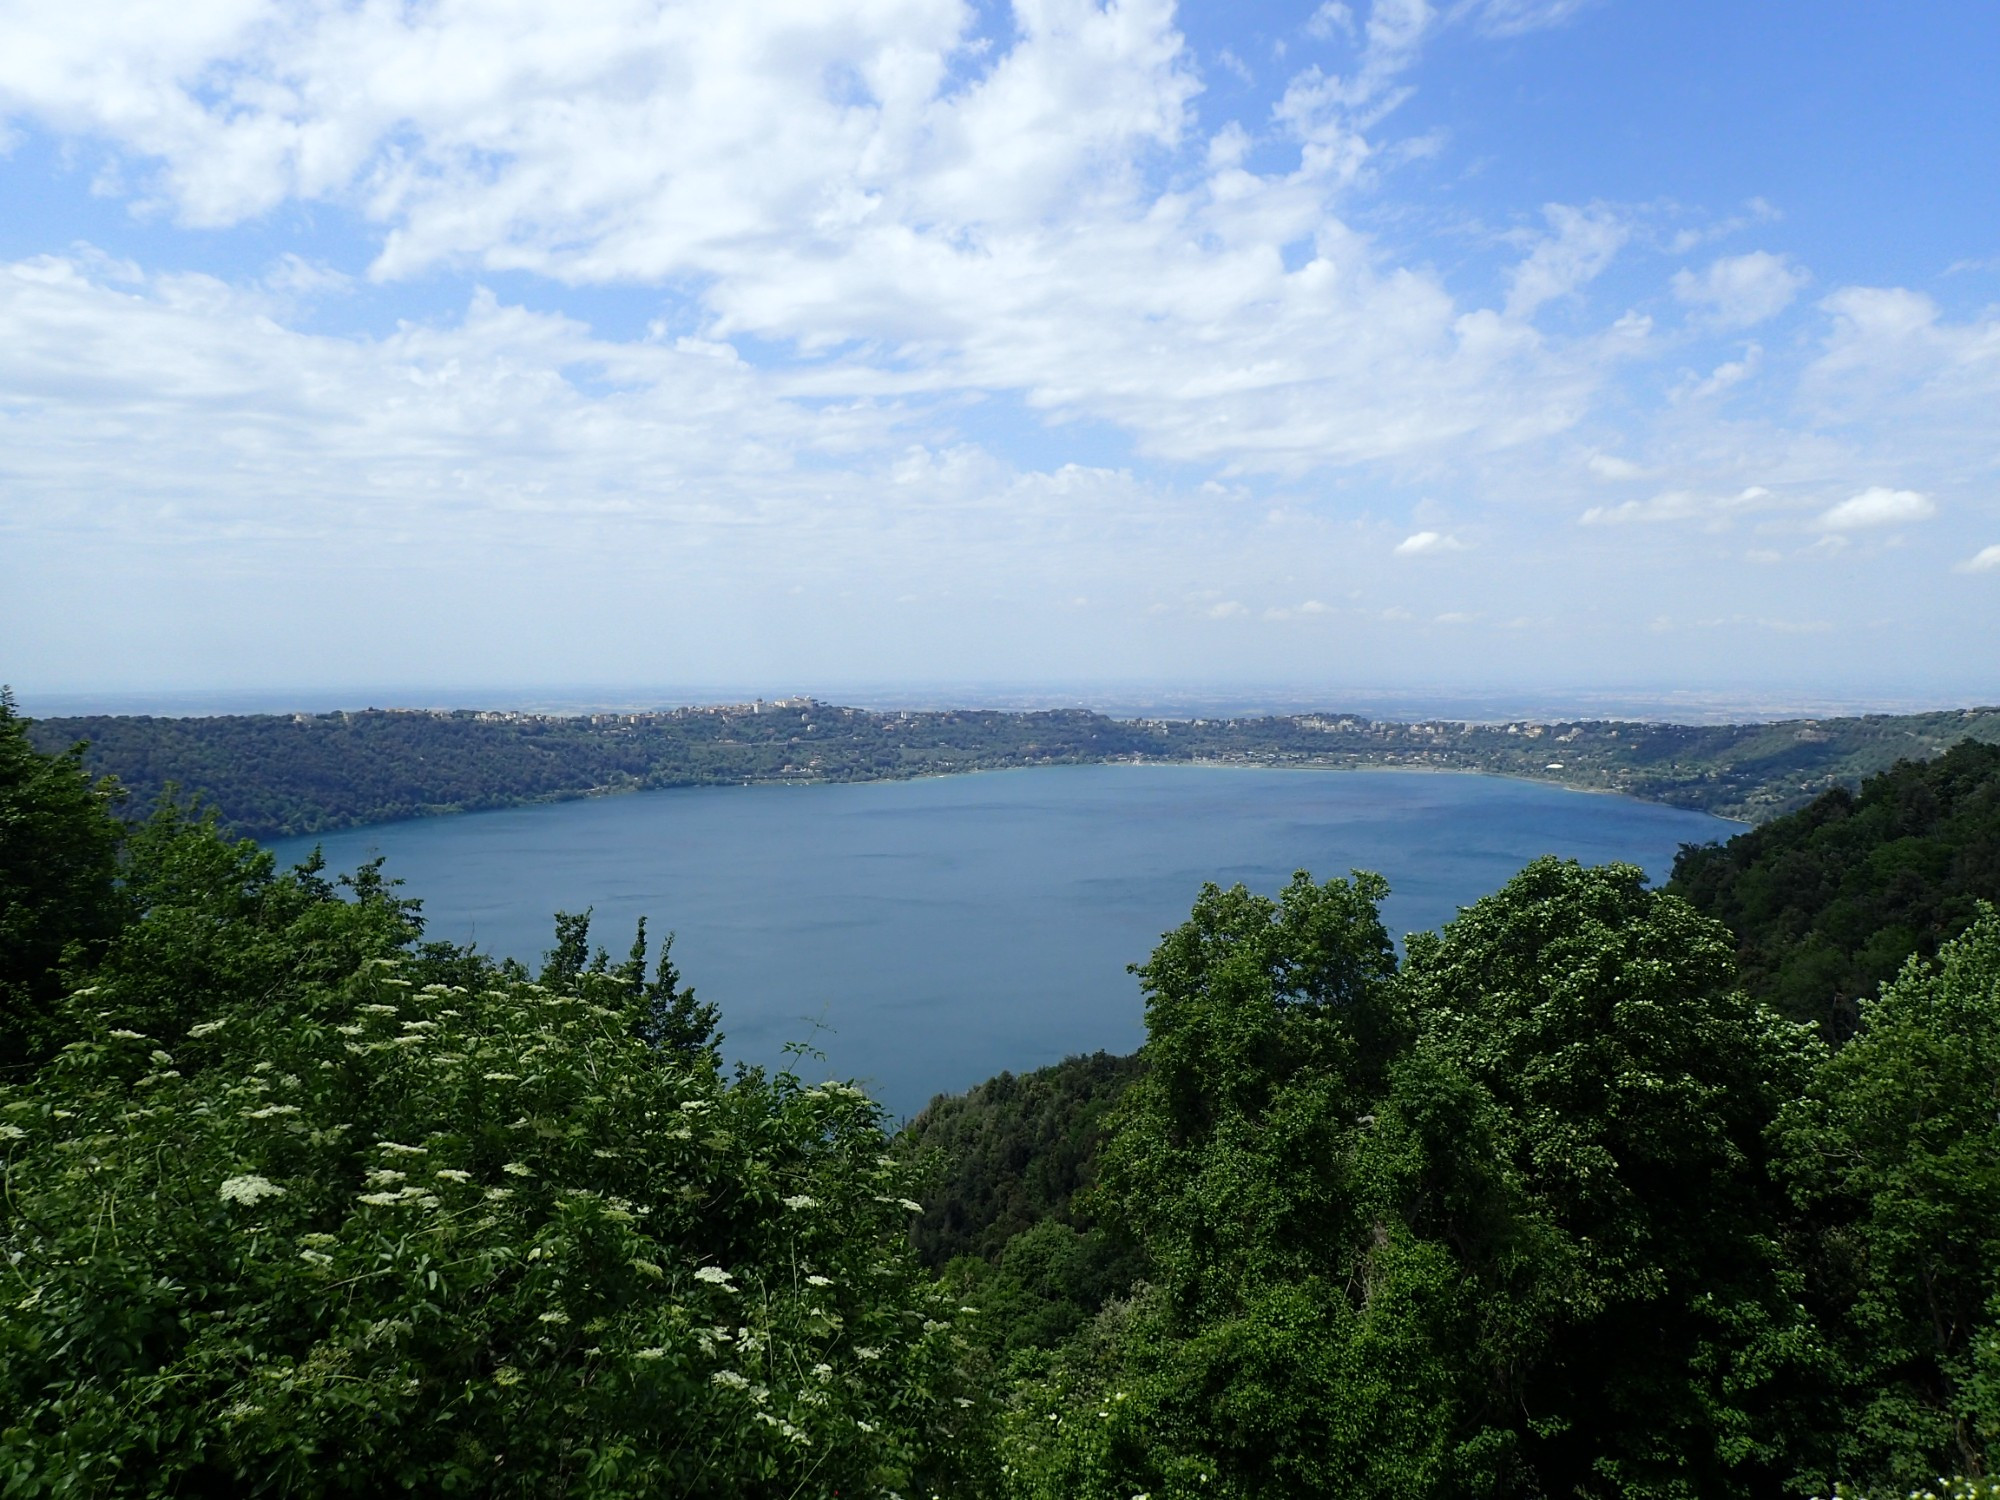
[(430, 1237)]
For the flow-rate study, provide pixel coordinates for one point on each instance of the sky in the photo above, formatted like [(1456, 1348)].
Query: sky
[(1500, 345)]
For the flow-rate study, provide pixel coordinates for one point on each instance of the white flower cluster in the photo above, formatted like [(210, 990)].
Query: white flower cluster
[(249, 1188), (409, 1194)]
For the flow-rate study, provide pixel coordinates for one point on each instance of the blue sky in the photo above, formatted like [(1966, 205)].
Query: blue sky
[(1499, 344)]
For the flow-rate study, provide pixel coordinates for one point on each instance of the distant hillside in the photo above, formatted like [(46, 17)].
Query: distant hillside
[(1016, 1150), (1831, 900), (272, 774)]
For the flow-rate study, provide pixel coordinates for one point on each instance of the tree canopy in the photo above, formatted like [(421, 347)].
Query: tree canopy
[(296, 1202)]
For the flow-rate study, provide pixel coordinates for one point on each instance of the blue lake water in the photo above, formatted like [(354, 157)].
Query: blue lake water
[(927, 934)]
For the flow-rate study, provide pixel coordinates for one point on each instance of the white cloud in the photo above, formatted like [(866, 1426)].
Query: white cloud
[(1330, 20), (1307, 610), (1985, 560), (1679, 505), (1513, 17), (1610, 466), (1427, 542), (1893, 366), (1741, 290), (1878, 506), (858, 181), (1724, 376), (1581, 243)]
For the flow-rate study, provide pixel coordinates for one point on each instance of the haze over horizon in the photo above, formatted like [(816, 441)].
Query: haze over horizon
[(1535, 348)]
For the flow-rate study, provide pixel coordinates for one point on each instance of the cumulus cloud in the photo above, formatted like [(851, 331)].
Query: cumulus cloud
[(1893, 365), (864, 182), (1878, 506), (1739, 291), (1424, 543), (1985, 560), (865, 218)]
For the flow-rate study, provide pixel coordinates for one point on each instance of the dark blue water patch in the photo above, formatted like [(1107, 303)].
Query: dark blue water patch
[(927, 934)]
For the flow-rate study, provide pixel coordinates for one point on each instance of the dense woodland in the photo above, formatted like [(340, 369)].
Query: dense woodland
[(1598, 1191), (299, 774)]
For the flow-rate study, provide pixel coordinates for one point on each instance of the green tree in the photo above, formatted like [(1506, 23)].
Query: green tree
[(1643, 1324), (1896, 1149), (361, 1233), (59, 900), (1296, 1341), (1269, 1025), (211, 923), (1828, 902), (1502, 1224)]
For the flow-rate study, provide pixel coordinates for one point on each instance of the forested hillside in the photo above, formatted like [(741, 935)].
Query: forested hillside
[(294, 1202), (1828, 903), (298, 774)]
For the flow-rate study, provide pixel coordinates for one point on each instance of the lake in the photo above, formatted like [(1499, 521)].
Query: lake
[(926, 934)]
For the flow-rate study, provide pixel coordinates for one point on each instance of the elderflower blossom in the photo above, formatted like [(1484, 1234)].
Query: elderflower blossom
[(249, 1189), (517, 1169), (819, 1281), (730, 1379), (714, 1275), (453, 1174), (801, 1201), (394, 1149), (403, 1195), (127, 1036), (207, 1028)]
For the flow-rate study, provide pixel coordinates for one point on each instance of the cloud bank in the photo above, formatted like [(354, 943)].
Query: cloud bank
[(1003, 304)]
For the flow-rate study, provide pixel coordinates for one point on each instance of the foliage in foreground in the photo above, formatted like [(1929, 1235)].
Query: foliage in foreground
[(296, 1203), (305, 1206), (1554, 1210)]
